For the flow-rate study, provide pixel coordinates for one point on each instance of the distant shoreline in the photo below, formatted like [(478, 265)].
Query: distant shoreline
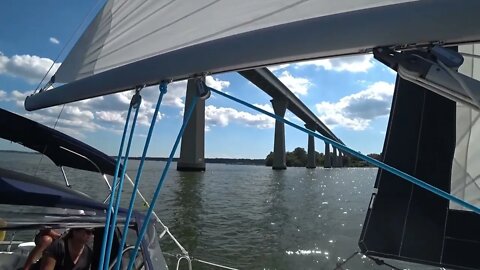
[(233, 161)]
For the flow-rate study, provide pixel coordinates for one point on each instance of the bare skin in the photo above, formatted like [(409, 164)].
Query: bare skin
[(75, 250), (43, 242), (76, 246)]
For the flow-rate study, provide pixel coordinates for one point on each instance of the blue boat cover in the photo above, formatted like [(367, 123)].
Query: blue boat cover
[(62, 149), (21, 189)]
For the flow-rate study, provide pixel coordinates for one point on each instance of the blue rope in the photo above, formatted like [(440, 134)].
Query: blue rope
[(163, 90), (111, 232), (162, 178), (368, 159), (112, 194)]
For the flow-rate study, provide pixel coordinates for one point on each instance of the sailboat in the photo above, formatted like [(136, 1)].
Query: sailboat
[(46, 205), (133, 44)]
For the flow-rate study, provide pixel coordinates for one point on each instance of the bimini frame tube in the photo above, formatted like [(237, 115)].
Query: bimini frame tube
[(65, 177)]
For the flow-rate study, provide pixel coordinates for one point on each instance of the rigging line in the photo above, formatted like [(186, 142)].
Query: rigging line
[(40, 161), (165, 228), (112, 194), (214, 264), (382, 262), (339, 265), (66, 43), (160, 182), (368, 159), (45, 148), (163, 90), (136, 101), (58, 117)]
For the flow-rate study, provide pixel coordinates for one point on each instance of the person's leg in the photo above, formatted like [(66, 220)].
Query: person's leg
[(41, 243)]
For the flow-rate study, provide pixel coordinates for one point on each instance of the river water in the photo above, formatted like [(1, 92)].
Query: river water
[(248, 217)]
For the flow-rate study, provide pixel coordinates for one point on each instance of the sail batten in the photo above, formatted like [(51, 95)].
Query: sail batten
[(197, 41)]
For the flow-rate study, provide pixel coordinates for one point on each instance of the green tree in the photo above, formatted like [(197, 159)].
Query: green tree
[(376, 156), (269, 159), (319, 159), (298, 158)]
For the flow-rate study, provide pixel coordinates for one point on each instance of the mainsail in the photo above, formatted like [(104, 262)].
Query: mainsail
[(128, 31), (135, 43)]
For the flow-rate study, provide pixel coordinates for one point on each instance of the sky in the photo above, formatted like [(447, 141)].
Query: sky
[(351, 95)]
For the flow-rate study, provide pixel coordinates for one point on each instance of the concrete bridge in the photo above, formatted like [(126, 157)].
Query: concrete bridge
[(193, 149)]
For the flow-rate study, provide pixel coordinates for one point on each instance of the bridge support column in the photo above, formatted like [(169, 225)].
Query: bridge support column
[(311, 162), (328, 160), (337, 158), (334, 157), (279, 157), (340, 158), (192, 151)]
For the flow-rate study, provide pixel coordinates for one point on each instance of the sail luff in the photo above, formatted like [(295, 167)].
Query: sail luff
[(419, 22)]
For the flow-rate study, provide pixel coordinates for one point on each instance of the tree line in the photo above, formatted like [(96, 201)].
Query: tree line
[(298, 158)]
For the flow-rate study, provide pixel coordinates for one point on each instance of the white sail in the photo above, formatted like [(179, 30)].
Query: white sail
[(465, 167), (128, 31), (131, 43)]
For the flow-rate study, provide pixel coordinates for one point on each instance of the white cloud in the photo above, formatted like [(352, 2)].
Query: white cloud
[(278, 67), (107, 116), (16, 96), (357, 110), (297, 85), (54, 40), (267, 107), (221, 116), (106, 112), (3, 61), (175, 94), (74, 120), (102, 113), (216, 83), (360, 63), (32, 68)]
